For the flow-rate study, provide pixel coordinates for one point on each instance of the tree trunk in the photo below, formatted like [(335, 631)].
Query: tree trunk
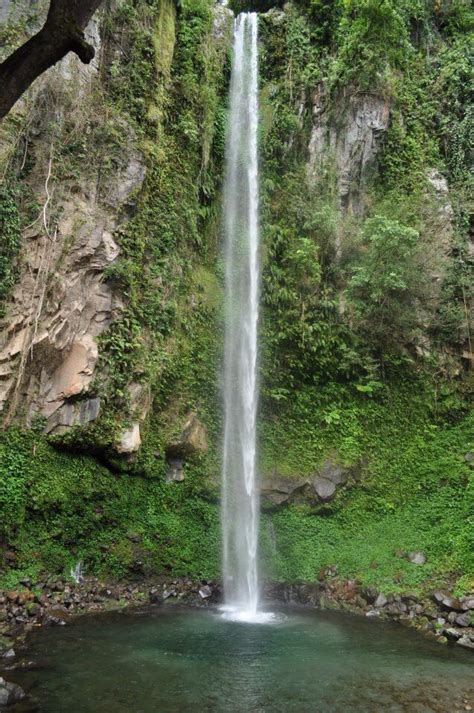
[(62, 32)]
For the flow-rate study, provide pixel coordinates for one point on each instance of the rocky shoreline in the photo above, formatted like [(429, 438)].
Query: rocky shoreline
[(55, 601)]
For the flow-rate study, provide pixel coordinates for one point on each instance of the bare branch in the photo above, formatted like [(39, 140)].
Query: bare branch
[(62, 32)]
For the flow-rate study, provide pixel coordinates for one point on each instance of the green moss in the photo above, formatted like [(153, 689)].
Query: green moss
[(9, 240)]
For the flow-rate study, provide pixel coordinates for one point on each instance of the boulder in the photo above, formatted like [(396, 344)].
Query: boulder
[(466, 642), (417, 557), (155, 596), (175, 470), (467, 602), (324, 489), (277, 490), (193, 439), (463, 619), (333, 471), (370, 594), (447, 601), (381, 600), (56, 616), (130, 440), (10, 693)]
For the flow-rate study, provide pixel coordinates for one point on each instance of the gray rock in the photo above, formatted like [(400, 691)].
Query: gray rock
[(9, 654), (381, 600), (205, 592), (10, 693), (175, 470), (193, 439), (155, 597), (466, 641), (452, 633), (372, 613), (467, 602), (417, 557), (4, 694), (463, 619), (354, 140), (370, 594), (129, 440), (446, 600), (278, 489), (324, 489), (333, 471)]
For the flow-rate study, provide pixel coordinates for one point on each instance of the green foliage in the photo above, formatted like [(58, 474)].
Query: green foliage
[(415, 489), (56, 508), (373, 39), (9, 240), (452, 72), (386, 283)]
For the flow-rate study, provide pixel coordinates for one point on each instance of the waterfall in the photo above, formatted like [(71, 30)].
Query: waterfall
[(240, 503)]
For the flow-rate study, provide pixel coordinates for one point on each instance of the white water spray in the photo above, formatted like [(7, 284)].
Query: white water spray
[(240, 506)]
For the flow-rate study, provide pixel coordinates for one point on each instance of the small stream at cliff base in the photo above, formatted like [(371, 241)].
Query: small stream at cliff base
[(172, 659)]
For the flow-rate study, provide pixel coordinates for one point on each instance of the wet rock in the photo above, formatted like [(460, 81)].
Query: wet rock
[(10, 693), (396, 609), (417, 557), (452, 633), (447, 601), (466, 641), (381, 601), (56, 616), (467, 602), (463, 620), (370, 594), (205, 592), (155, 596), (372, 613), (9, 654)]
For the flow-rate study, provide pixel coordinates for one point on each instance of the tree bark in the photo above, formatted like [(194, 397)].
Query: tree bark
[(62, 32)]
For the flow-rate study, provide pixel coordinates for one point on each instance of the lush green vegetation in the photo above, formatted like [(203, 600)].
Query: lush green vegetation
[(59, 508), (10, 242), (415, 490)]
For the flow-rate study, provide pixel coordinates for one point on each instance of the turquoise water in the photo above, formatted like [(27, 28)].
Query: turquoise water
[(170, 660)]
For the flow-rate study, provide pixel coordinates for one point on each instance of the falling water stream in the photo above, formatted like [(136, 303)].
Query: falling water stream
[(240, 506)]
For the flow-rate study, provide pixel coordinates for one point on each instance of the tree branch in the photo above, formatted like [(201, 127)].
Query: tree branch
[(62, 32)]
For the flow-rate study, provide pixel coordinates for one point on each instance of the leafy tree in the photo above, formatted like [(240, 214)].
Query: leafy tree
[(387, 285)]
